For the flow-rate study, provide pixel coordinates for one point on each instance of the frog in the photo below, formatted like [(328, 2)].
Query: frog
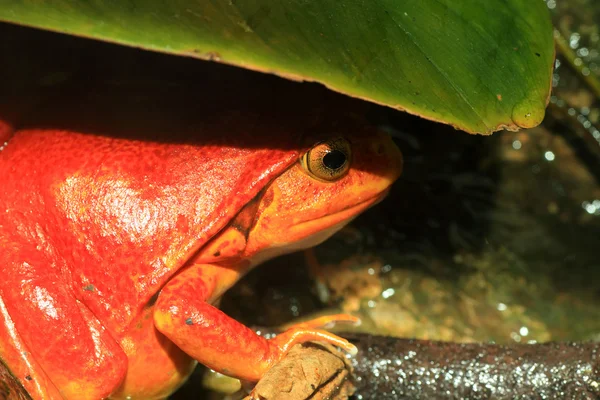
[(124, 219)]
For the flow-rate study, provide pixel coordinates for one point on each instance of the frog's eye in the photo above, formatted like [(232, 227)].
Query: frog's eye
[(328, 160)]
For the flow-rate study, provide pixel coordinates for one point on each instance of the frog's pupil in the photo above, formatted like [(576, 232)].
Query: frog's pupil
[(335, 159)]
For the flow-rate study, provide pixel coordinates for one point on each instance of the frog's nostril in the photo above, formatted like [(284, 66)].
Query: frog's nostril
[(379, 149)]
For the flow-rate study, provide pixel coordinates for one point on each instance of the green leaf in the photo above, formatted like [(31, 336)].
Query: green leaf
[(478, 65)]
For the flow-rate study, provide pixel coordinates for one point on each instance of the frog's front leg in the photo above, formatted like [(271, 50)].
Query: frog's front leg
[(183, 314)]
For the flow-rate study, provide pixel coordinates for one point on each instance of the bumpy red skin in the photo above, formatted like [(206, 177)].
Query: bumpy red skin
[(93, 225), (71, 219)]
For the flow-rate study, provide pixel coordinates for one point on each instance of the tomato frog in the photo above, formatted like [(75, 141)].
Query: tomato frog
[(124, 218)]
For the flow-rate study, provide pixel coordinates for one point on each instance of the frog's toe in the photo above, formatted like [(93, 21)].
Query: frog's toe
[(301, 334), (327, 321)]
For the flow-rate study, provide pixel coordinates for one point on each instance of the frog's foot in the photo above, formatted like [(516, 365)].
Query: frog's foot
[(308, 331), (286, 340)]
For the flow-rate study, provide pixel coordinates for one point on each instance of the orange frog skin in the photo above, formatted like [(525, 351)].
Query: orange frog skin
[(121, 224)]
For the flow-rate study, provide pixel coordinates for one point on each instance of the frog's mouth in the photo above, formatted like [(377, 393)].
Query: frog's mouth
[(315, 231), (341, 217)]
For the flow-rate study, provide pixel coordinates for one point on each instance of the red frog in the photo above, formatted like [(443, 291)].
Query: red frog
[(124, 217)]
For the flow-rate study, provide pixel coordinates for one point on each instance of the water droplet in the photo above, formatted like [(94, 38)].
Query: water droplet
[(524, 331)]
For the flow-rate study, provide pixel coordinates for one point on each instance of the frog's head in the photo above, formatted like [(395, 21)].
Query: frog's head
[(334, 181)]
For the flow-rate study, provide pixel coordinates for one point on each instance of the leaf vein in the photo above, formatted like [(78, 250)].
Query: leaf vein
[(439, 70)]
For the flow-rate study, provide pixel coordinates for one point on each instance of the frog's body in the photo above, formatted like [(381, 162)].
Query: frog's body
[(115, 245)]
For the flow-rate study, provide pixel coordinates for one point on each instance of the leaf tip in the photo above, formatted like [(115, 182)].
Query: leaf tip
[(528, 113)]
